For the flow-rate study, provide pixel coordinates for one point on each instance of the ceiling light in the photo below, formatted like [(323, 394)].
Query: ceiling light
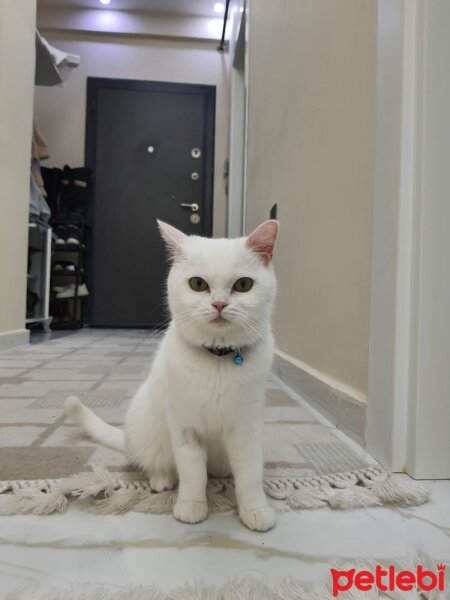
[(105, 1), (219, 7)]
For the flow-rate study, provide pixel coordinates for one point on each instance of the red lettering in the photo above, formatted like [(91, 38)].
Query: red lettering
[(405, 581), (364, 581), (422, 575), (391, 584), (379, 574), (441, 577), (388, 580), (337, 586)]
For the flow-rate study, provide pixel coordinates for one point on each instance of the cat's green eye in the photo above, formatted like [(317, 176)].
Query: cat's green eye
[(198, 284), (244, 284)]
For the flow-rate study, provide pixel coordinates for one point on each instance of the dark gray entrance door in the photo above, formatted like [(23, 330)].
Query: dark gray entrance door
[(151, 147)]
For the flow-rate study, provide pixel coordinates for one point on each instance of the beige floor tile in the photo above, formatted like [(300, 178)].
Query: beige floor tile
[(19, 436), (8, 372), (61, 375), (17, 410)]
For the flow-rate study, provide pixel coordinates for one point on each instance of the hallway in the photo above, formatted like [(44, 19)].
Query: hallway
[(276, 183), (147, 549)]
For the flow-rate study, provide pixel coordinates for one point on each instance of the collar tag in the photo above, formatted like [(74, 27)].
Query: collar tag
[(238, 358)]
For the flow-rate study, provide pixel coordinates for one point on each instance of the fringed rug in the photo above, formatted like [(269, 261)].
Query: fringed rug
[(45, 460), (103, 494), (251, 587)]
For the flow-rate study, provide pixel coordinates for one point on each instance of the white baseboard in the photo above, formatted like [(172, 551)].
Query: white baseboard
[(10, 339), (345, 410)]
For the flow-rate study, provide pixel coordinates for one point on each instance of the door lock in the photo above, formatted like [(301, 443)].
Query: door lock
[(194, 218), (194, 207)]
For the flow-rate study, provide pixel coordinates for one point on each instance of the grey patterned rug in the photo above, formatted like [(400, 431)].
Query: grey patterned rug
[(40, 448)]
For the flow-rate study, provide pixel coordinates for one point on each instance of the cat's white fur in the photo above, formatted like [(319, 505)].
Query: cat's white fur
[(197, 413)]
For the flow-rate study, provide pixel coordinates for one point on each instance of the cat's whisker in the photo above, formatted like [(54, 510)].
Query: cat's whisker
[(254, 335), (255, 324)]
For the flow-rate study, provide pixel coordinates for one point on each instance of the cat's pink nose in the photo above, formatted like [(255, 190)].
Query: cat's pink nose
[(219, 306)]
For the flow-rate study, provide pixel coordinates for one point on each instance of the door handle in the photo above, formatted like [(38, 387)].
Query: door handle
[(194, 207)]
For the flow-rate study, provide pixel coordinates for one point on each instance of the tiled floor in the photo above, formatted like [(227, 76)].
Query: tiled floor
[(155, 549)]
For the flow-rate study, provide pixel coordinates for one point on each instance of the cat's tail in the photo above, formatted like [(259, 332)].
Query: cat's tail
[(93, 425)]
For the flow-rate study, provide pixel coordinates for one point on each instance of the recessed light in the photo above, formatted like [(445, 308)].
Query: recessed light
[(105, 1), (219, 7)]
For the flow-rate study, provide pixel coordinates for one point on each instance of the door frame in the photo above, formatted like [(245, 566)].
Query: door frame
[(408, 410), (94, 84)]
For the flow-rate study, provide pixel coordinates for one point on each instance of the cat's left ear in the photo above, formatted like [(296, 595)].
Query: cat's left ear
[(174, 238), (262, 240)]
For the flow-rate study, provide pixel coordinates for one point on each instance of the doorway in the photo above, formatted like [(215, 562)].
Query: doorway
[(150, 146)]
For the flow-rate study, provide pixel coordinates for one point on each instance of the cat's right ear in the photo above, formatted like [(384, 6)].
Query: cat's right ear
[(174, 238)]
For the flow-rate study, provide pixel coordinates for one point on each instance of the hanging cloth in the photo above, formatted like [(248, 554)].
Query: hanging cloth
[(39, 148)]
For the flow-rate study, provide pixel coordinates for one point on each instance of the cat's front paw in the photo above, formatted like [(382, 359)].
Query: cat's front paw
[(162, 483), (261, 518), (189, 511)]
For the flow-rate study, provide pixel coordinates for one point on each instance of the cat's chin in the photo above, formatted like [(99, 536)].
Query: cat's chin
[(220, 321), (214, 333)]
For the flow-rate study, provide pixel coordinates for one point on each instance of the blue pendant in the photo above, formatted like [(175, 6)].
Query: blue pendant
[(238, 359)]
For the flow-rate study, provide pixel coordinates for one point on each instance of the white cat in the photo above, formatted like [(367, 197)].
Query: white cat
[(201, 408)]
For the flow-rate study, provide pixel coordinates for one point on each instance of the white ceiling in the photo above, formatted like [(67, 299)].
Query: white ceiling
[(202, 8)]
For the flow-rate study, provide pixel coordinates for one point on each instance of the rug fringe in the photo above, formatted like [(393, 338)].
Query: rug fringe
[(119, 502), (240, 588), (354, 497), (310, 498), (32, 502), (400, 490), (157, 504), (363, 488), (99, 481)]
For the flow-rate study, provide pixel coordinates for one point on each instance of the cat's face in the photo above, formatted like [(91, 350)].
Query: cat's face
[(221, 291)]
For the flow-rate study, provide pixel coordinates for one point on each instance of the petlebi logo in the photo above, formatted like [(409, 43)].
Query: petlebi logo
[(388, 580)]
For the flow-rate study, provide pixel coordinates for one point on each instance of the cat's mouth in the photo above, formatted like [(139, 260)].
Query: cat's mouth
[(219, 320)]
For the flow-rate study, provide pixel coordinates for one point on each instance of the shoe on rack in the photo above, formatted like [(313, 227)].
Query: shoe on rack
[(73, 235), (61, 235), (58, 288), (64, 266), (69, 291)]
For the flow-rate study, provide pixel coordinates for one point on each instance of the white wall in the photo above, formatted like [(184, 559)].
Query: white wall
[(17, 51), (60, 112), (159, 25), (310, 149)]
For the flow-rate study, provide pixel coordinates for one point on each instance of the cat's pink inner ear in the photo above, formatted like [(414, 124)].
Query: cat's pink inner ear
[(262, 240), (174, 238)]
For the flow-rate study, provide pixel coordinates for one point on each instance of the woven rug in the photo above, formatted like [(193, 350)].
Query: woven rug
[(45, 460)]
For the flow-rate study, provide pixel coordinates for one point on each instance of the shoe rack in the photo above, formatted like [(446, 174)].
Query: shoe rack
[(68, 204), (68, 277)]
